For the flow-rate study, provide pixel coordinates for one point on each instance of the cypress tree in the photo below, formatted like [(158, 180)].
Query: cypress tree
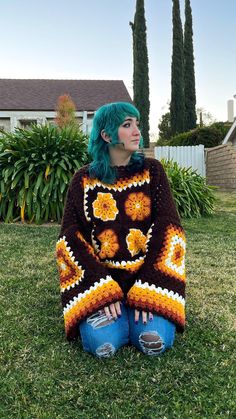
[(189, 75), (177, 72), (140, 69)]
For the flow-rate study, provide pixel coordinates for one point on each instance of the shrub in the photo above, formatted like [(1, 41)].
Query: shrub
[(180, 139), (36, 167), (223, 127), (65, 112), (208, 136), (192, 196), (162, 142)]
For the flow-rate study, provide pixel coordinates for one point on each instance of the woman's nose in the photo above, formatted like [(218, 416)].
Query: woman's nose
[(136, 130)]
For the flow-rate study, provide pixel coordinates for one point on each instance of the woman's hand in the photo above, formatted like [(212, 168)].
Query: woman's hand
[(113, 310), (144, 316)]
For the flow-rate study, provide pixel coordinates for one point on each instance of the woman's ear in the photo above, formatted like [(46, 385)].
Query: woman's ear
[(105, 136)]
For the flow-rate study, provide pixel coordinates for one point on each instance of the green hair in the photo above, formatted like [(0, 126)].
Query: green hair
[(109, 117)]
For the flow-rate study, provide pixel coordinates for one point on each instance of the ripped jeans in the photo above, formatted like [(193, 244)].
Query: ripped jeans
[(103, 337)]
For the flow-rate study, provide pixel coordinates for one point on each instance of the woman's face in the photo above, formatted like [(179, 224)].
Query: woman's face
[(129, 134)]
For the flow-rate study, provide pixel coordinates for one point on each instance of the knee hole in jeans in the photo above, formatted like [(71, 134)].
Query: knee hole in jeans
[(105, 350), (151, 343), (99, 319)]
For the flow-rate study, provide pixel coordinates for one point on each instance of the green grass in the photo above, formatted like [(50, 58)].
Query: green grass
[(43, 376)]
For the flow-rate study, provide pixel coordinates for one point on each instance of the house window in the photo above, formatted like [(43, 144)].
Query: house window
[(5, 124), (27, 123)]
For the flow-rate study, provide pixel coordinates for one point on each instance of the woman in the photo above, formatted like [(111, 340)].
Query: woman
[(121, 247)]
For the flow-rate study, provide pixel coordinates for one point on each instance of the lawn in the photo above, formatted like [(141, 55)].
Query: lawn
[(44, 376)]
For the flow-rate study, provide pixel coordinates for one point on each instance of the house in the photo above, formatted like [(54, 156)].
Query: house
[(27, 101), (221, 162)]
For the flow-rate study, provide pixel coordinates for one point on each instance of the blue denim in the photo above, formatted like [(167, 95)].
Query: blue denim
[(103, 337)]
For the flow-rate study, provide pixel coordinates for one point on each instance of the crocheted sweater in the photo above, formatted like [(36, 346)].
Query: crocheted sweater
[(122, 241)]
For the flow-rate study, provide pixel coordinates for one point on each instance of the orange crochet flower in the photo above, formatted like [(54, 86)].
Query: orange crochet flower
[(136, 241), (109, 244), (137, 206), (104, 207)]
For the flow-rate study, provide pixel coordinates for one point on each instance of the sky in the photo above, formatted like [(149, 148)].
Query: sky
[(76, 39)]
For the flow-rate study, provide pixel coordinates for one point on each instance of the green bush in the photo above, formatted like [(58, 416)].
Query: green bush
[(208, 136), (192, 196), (36, 167), (223, 127), (161, 142)]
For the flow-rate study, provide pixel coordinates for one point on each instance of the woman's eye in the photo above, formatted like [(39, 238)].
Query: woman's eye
[(127, 125)]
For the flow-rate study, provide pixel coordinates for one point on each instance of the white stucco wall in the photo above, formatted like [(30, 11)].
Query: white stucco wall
[(14, 118)]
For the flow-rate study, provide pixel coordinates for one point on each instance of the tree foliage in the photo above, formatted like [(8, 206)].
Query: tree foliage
[(177, 79), (208, 136), (140, 69), (65, 112), (189, 74), (164, 128)]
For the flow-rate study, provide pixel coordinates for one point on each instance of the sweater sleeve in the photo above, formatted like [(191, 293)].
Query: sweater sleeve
[(85, 284), (160, 283)]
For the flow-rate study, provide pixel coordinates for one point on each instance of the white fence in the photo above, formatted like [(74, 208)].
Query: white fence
[(185, 156)]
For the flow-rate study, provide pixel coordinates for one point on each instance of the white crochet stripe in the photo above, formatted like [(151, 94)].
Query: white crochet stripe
[(176, 239), (72, 285), (94, 242), (86, 189), (149, 236), (84, 294), (124, 263), (115, 188), (109, 187), (163, 291)]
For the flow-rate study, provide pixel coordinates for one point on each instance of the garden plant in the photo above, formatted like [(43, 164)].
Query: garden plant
[(192, 195), (36, 167)]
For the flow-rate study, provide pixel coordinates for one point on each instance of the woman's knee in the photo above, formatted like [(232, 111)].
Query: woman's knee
[(105, 350), (97, 344), (152, 338), (102, 336), (151, 343)]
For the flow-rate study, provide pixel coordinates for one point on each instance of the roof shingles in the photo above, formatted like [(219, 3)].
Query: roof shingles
[(43, 94)]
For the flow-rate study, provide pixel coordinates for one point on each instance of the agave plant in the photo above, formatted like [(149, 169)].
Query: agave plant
[(36, 167), (192, 195)]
